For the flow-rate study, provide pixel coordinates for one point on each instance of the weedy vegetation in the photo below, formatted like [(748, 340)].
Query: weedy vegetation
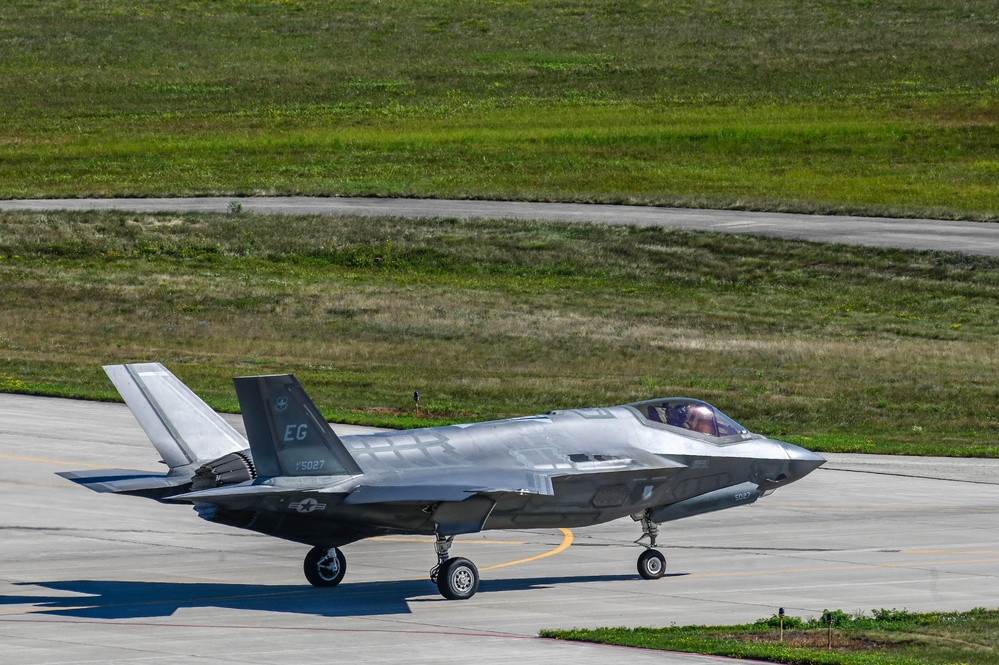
[(832, 106), (837, 348), (886, 637)]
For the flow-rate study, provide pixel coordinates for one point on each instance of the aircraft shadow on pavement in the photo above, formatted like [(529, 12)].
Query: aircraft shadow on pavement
[(135, 600)]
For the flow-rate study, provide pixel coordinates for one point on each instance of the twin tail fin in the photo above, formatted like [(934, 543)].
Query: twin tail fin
[(288, 435)]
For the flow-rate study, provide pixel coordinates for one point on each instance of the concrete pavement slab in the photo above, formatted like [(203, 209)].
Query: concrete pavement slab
[(86, 577)]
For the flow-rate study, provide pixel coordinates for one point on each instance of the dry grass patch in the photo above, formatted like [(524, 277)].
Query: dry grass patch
[(854, 348)]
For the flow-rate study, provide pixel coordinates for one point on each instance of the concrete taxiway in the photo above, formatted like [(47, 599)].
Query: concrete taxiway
[(86, 577), (920, 234)]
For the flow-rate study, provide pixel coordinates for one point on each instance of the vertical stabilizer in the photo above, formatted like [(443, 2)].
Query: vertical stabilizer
[(180, 425), (288, 436)]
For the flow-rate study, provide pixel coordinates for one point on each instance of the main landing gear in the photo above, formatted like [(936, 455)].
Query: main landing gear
[(325, 566), (457, 578), (651, 562)]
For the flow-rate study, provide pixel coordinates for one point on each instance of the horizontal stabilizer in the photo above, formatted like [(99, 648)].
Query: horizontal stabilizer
[(128, 481), (240, 493), (180, 425)]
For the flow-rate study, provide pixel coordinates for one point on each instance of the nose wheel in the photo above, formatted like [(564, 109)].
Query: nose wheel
[(651, 564)]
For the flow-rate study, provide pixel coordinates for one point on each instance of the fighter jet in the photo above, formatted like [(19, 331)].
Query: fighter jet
[(294, 478)]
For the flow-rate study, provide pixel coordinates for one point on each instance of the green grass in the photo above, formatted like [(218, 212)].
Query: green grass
[(838, 106), (838, 348), (887, 637)]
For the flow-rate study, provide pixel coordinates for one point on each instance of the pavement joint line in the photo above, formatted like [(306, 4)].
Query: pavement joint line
[(843, 568), (392, 539), (912, 475), (914, 509)]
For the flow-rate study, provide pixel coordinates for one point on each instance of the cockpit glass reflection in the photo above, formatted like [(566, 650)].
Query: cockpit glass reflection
[(693, 415)]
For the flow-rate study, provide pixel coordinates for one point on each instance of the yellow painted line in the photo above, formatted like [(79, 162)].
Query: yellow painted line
[(51, 461), (950, 551), (567, 539)]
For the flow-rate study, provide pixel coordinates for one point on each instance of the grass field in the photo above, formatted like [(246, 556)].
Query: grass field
[(832, 106), (885, 637), (838, 348)]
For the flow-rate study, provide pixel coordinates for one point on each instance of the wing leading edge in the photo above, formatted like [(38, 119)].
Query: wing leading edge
[(455, 486)]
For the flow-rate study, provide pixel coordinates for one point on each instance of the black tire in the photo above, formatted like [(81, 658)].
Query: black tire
[(325, 566), (458, 579), (651, 565)]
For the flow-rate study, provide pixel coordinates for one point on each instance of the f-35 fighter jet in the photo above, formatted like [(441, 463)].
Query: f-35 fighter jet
[(654, 461)]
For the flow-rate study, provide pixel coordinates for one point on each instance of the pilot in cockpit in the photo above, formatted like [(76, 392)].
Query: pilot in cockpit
[(700, 419), (694, 416)]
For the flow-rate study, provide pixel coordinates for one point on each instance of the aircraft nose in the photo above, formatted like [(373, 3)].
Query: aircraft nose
[(802, 461)]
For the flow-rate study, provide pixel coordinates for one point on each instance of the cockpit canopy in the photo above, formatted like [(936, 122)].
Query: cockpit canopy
[(691, 415)]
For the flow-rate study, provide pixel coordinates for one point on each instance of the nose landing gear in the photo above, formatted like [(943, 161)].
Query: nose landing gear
[(651, 562)]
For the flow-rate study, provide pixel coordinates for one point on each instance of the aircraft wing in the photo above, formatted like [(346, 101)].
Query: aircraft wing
[(391, 488), (448, 486)]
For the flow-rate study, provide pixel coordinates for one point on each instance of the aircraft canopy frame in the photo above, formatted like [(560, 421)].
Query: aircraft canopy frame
[(691, 417)]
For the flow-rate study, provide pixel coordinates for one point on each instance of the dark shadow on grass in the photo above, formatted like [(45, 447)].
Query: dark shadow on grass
[(136, 600)]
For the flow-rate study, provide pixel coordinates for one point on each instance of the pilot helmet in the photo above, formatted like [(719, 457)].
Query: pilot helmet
[(700, 419)]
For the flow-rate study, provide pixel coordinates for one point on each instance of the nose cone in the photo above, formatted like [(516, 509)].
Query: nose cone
[(802, 461)]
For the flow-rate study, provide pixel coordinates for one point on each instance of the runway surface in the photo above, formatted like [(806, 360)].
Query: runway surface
[(920, 234), (86, 577)]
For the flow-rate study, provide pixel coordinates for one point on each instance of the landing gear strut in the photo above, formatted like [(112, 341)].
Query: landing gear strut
[(325, 566), (651, 563), (457, 578)]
